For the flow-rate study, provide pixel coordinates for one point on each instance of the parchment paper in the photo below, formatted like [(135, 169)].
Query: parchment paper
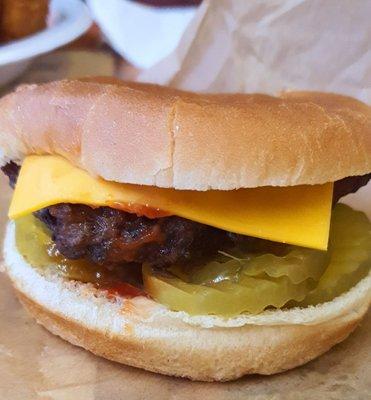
[(223, 50), (273, 45)]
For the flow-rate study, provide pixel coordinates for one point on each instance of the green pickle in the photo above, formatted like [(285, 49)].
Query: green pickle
[(223, 298), (350, 250), (36, 246), (251, 283), (233, 283)]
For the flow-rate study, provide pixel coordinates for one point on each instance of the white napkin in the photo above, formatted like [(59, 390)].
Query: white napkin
[(142, 34)]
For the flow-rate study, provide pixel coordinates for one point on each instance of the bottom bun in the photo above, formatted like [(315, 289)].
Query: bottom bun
[(142, 333)]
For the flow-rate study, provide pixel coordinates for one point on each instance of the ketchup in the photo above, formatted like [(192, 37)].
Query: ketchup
[(139, 209), (124, 289)]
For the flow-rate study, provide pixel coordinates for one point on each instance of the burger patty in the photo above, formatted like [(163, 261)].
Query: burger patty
[(348, 185), (108, 236), (11, 170)]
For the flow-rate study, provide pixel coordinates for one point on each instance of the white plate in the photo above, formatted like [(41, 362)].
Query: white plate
[(68, 20), (140, 33)]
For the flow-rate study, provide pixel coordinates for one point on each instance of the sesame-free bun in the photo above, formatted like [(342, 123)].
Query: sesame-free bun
[(144, 334), (152, 135)]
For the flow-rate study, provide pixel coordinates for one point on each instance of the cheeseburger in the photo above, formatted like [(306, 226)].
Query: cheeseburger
[(194, 235)]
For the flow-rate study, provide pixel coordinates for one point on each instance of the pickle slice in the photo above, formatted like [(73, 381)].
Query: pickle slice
[(251, 283), (224, 298), (298, 265), (350, 250), (36, 246), (33, 241)]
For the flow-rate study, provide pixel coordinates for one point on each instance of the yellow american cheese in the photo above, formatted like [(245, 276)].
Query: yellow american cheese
[(298, 215)]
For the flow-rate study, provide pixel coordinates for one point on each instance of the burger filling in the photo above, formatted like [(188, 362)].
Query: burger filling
[(191, 266)]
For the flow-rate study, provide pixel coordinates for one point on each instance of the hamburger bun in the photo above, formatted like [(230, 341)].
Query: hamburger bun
[(142, 333), (151, 135)]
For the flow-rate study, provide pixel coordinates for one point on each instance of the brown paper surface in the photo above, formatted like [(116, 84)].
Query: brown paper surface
[(34, 364)]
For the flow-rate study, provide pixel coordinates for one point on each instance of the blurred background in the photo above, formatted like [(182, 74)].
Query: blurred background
[(43, 40)]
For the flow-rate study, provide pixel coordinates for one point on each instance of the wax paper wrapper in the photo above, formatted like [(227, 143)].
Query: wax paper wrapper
[(273, 45)]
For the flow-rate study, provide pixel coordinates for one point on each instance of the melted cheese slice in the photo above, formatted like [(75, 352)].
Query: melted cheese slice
[(299, 215)]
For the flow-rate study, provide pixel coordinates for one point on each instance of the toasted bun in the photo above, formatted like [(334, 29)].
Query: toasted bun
[(151, 135), (142, 333)]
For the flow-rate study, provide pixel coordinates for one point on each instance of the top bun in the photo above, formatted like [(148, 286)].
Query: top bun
[(152, 135)]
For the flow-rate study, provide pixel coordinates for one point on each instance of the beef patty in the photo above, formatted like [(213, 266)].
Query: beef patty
[(108, 236)]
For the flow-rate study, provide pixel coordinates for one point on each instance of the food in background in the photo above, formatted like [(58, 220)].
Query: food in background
[(20, 18)]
